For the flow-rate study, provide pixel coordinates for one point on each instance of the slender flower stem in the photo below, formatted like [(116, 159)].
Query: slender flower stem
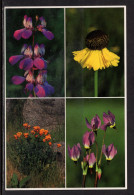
[(101, 148), (95, 83), (83, 182), (96, 176)]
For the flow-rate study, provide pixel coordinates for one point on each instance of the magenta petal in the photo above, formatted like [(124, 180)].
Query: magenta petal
[(26, 34), (40, 91), (18, 80), (26, 64), (88, 124), (18, 33), (14, 59), (39, 63), (29, 86), (49, 35)]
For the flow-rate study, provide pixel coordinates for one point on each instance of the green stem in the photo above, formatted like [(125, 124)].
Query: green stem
[(101, 148), (95, 83), (96, 175)]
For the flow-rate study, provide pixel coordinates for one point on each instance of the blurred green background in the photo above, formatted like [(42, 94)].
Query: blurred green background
[(54, 48), (113, 175), (79, 22)]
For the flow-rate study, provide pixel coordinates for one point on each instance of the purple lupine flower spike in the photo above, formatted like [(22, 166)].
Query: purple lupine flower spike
[(49, 35), (74, 152), (91, 159), (88, 139), (27, 63), (109, 121), (109, 152), (26, 32)]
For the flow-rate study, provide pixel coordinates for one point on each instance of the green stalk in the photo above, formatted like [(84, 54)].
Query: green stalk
[(101, 148), (95, 83)]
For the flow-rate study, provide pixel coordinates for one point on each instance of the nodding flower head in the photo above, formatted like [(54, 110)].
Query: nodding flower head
[(91, 159), (74, 152), (109, 121), (109, 152), (88, 139), (26, 32), (96, 55), (95, 123)]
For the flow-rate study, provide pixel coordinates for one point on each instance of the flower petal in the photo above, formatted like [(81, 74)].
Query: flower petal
[(14, 59), (88, 124), (18, 33), (48, 88), (26, 34), (39, 63), (40, 90), (18, 80), (29, 86), (49, 35), (26, 64)]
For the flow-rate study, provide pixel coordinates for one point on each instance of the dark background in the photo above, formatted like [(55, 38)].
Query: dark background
[(79, 22), (130, 92), (54, 48)]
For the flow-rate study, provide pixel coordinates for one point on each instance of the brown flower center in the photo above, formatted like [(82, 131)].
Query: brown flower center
[(96, 40)]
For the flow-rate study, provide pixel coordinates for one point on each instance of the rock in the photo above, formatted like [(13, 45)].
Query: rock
[(48, 114)]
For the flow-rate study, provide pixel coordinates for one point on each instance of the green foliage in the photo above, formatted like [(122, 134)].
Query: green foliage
[(79, 22), (15, 183), (77, 111), (30, 153)]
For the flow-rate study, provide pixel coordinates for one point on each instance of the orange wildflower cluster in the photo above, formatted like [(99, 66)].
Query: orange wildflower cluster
[(17, 135), (37, 132), (26, 135)]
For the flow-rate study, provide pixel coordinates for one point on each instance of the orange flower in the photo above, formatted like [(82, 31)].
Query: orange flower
[(41, 131), (58, 145), (50, 143), (36, 135), (45, 132), (36, 128), (25, 125), (29, 126), (19, 134), (32, 132), (48, 137), (44, 140), (15, 136), (26, 135)]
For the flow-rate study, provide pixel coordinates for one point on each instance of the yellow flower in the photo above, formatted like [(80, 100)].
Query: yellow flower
[(96, 55)]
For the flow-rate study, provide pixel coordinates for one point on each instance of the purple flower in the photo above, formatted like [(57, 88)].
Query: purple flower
[(88, 139), (109, 152), (26, 32), (74, 152), (95, 123), (30, 60), (109, 121), (39, 85), (91, 159), (49, 35)]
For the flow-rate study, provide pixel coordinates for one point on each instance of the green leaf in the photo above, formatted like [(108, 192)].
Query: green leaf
[(14, 181), (24, 181)]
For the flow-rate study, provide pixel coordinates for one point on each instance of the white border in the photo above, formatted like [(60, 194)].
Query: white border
[(125, 90)]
